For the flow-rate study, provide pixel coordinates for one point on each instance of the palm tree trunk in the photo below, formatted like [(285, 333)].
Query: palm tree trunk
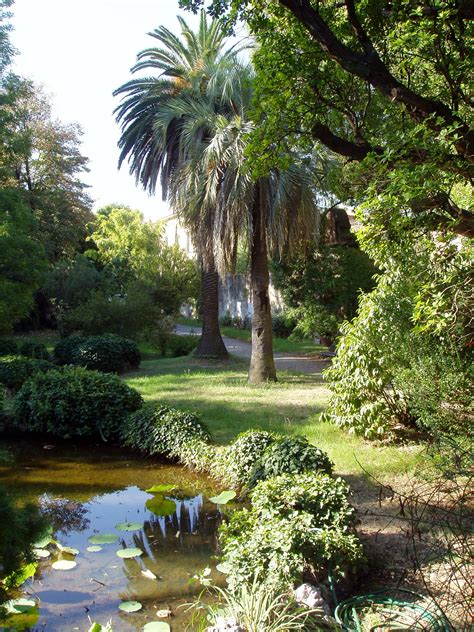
[(262, 364), (210, 344)]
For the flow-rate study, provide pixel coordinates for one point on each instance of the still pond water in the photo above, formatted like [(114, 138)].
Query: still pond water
[(87, 491)]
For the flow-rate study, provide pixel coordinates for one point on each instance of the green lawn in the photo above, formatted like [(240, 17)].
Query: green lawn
[(280, 345), (220, 393)]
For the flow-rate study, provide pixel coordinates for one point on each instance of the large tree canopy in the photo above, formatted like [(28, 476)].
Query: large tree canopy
[(382, 84)]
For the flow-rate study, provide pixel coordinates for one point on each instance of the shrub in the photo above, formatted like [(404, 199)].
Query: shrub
[(15, 370), (162, 430), (198, 454), (181, 345), (108, 353), (63, 352), (235, 463), (283, 324), (298, 524), (33, 350), (8, 347), (290, 455), (226, 320), (75, 402)]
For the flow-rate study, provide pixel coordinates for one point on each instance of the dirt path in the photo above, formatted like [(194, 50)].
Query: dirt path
[(283, 361)]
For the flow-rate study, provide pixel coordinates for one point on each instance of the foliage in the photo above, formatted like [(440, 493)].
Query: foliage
[(198, 454), (20, 526), (290, 455), (75, 402), (254, 607), (108, 353), (33, 350), (15, 370), (8, 346), (179, 345), (235, 463), (162, 430), (297, 524), (322, 287), (283, 324), (63, 352), (22, 259)]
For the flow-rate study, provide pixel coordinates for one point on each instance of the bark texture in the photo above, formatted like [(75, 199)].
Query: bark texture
[(210, 344), (262, 364)]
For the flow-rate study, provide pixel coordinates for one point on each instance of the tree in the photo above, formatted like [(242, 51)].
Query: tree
[(186, 68), (377, 83), (219, 194), (41, 157)]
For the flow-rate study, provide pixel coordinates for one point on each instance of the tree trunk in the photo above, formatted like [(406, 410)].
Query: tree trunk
[(210, 344), (262, 365)]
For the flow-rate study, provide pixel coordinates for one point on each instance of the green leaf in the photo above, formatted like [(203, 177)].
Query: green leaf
[(95, 548), (42, 553), (67, 549), (127, 553), (224, 497), (223, 568), (129, 526), (103, 538), (130, 606), (19, 577), (63, 565), (45, 540), (18, 606), (161, 506), (156, 626), (161, 488)]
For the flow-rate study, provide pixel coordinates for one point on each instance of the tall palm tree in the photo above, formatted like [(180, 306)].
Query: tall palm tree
[(214, 190), (189, 69)]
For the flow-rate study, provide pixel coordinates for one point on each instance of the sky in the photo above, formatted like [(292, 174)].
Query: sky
[(80, 51)]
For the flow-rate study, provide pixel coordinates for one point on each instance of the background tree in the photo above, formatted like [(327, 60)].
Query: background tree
[(186, 67)]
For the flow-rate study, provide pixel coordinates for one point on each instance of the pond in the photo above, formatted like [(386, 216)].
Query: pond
[(88, 491)]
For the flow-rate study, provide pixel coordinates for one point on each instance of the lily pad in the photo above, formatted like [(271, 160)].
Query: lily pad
[(18, 606), (44, 541), (129, 526), (127, 553), (63, 565), (103, 538), (130, 606), (156, 626), (224, 497), (161, 506), (43, 553), (67, 549), (161, 489), (95, 548)]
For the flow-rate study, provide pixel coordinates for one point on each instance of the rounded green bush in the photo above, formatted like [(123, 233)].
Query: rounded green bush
[(235, 463), (290, 455), (297, 525), (75, 402), (181, 345), (33, 350), (8, 347), (15, 370), (63, 352), (108, 353), (162, 430)]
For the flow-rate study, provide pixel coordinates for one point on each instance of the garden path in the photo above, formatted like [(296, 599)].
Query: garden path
[(283, 361)]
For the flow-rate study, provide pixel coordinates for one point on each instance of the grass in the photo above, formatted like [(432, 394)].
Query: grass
[(220, 393), (280, 345)]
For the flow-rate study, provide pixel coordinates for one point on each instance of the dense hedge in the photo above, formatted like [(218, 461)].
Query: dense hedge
[(297, 525), (108, 353), (75, 402), (15, 370), (290, 455), (33, 350), (162, 430), (177, 346)]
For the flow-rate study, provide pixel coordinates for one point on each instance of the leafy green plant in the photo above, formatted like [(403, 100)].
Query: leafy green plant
[(198, 454), (108, 353), (63, 352), (75, 402), (283, 324), (163, 430), (15, 370), (235, 463), (33, 350), (8, 346), (181, 345), (298, 524), (290, 455), (255, 608)]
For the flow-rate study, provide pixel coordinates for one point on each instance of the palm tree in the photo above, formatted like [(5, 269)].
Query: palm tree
[(151, 131), (215, 191)]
